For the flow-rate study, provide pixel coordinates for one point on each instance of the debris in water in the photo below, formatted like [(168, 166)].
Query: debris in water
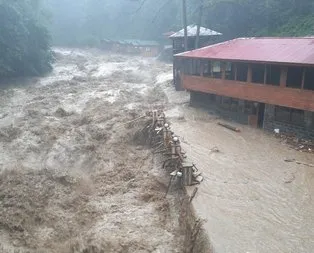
[(298, 162), (60, 112), (160, 135), (229, 127)]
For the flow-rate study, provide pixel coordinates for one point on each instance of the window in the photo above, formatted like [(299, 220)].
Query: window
[(258, 72), (297, 116), (294, 77), (196, 67), (191, 44), (309, 79), (230, 71), (273, 75), (206, 68), (178, 44), (191, 67), (242, 70), (248, 107), (289, 115), (187, 63), (282, 114), (226, 102), (216, 69)]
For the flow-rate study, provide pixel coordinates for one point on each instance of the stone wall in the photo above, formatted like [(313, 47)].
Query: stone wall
[(211, 102), (305, 131)]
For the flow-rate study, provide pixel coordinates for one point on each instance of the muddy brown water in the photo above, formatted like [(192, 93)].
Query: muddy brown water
[(72, 179)]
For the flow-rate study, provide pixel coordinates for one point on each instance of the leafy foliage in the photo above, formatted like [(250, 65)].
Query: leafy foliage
[(236, 18), (24, 42)]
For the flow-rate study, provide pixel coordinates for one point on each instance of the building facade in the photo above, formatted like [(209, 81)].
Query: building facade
[(144, 48), (206, 37), (264, 82)]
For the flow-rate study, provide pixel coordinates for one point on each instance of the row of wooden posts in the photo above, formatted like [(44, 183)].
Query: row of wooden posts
[(166, 142)]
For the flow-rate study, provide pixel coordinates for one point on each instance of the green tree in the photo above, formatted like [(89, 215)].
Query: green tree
[(24, 42), (237, 18)]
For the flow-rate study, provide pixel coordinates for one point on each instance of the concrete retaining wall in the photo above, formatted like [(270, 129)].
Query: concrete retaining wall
[(305, 131), (211, 102), (302, 130)]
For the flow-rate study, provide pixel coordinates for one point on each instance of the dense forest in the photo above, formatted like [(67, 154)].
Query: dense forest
[(27, 26), (24, 39)]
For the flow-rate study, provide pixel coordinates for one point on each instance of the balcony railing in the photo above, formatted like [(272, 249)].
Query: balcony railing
[(276, 95)]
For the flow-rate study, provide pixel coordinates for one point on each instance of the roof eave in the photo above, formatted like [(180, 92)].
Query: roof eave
[(246, 61)]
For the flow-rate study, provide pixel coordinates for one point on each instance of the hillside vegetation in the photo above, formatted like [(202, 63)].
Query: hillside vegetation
[(27, 25), (24, 40), (85, 22)]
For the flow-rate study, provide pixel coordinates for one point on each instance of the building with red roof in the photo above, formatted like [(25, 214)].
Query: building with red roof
[(268, 81), (206, 37)]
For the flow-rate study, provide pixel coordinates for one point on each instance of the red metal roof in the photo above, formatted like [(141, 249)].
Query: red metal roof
[(275, 50)]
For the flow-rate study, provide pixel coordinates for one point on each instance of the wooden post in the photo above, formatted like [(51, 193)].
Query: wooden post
[(283, 76), (201, 68), (303, 78), (235, 72), (187, 174), (249, 74), (174, 72), (191, 66), (185, 25), (223, 70), (265, 74), (197, 40)]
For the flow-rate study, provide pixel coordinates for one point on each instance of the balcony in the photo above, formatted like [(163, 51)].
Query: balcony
[(277, 95)]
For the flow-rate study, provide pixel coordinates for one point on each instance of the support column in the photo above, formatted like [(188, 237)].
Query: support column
[(249, 74), (201, 68), (265, 74), (174, 72), (303, 78), (283, 76), (309, 119), (223, 70)]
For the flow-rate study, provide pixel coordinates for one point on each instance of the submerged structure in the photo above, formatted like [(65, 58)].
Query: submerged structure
[(145, 48), (264, 82)]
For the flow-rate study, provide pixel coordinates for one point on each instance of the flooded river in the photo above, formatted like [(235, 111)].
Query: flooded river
[(73, 181)]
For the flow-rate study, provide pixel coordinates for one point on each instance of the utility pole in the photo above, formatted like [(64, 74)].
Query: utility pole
[(185, 25), (197, 41)]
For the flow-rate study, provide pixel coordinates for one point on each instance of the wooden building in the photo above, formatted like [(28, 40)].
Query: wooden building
[(265, 82), (144, 48), (206, 37)]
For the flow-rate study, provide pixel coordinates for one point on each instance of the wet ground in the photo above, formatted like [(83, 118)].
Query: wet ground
[(253, 201), (73, 180)]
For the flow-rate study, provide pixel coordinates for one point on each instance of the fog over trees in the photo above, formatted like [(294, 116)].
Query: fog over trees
[(29, 27)]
